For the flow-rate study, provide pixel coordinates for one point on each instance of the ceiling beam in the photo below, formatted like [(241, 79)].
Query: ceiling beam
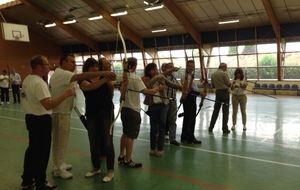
[(113, 21), (272, 17), (77, 34), (184, 21)]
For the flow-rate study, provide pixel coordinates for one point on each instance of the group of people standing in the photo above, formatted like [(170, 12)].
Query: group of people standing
[(48, 111), (6, 80)]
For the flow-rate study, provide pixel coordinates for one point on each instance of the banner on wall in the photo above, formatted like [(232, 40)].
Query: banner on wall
[(15, 32)]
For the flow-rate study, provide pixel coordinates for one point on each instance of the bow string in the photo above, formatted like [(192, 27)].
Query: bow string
[(124, 84), (204, 83)]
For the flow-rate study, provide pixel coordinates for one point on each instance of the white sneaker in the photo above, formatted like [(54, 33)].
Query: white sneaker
[(92, 173), (64, 174), (68, 166), (233, 127), (244, 128)]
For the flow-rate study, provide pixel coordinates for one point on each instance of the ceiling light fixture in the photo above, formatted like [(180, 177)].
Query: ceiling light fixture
[(119, 14), (229, 21), (95, 17), (159, 30), (152, 2), (154, 8), (50, 25), (70, 21)]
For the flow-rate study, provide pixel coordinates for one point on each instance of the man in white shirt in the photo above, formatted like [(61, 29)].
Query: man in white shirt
[(63, 78), (4, 85), (15, 85), (38, 105)]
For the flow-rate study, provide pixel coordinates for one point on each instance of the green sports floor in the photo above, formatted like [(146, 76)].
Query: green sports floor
[(265, 157)]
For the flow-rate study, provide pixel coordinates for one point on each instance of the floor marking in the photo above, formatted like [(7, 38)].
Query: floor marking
[(192, 148), (184, 178), (280, 129)]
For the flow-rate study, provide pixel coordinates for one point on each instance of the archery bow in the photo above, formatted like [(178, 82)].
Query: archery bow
[(205, 81), (124, 78)]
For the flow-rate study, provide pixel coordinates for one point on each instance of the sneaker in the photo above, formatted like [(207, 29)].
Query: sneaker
[(233, 127), (244, 128), (92, 173), (26, 185), (64, 174), (68, 166), (47, 186), (121, 159), (132, 164), (175, 143)]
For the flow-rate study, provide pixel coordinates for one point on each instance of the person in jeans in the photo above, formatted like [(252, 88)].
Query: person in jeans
[(171, 125), (130, 114), (38, 104), (238, 87), (98, 93)]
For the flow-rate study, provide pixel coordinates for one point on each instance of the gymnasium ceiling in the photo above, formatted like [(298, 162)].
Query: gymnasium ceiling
[(177, 16)]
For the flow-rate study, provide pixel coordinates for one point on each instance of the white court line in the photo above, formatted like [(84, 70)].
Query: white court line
[(193, 148), (280, 129)]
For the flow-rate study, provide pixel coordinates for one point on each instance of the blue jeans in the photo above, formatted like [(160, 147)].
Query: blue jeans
[(158, 117)]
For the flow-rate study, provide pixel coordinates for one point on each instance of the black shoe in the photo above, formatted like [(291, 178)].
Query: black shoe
[(226, 132), (27, 185), (47, 186), (175, 143), (194, 141), (121, 159), (132, 164), (183, 138)]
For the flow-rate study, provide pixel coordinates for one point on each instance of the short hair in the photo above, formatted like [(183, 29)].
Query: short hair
[(64, 57), (222, 65), (89, 63), (132, 62), (190, 61), (163, 66), (36, 60)]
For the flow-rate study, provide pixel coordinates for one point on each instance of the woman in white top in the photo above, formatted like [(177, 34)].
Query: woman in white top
[(238, 87)]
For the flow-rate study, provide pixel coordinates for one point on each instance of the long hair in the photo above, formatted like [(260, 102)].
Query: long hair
[(149, 67), (90, 62), (239, 70), (101, 63)]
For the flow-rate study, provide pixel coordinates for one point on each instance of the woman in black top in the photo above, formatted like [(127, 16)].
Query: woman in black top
[(98, 94)]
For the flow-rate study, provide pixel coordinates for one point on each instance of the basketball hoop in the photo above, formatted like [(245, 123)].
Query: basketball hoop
[(18, 36)]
